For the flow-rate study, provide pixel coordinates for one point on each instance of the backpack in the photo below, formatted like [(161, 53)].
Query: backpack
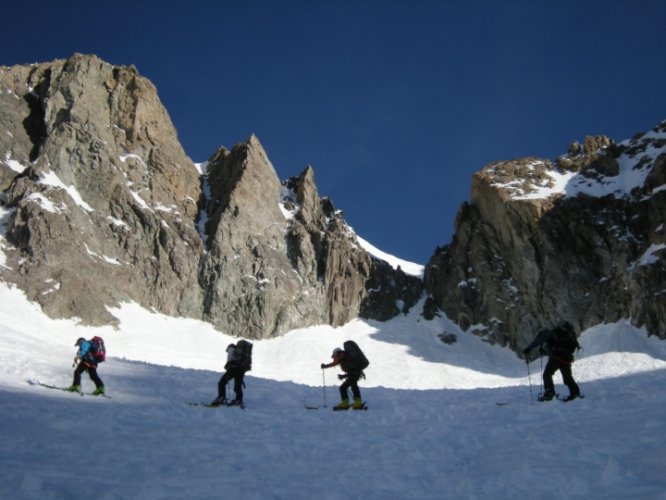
[(564, 338), (355, 360), (243, 355), (98, 349)]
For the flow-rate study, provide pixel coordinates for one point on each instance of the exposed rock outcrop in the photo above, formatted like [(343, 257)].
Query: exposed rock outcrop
[(104, 196), (106, 207), (579, 239)]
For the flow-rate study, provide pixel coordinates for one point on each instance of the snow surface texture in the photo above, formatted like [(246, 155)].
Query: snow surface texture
[(433, 429)]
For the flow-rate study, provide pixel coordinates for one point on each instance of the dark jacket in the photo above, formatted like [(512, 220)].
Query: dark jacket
[(338, 359), (559, 343)]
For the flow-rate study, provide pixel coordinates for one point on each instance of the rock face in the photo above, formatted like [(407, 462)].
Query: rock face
[(103, 194), (582, 238), (104, 206), (280, 257)]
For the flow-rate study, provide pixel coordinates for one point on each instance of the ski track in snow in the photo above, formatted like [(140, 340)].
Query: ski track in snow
[(433, 429)]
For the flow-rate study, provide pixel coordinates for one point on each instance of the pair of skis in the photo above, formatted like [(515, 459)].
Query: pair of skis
[(219, 405), (335, 408), (557, 397), (66, 389)]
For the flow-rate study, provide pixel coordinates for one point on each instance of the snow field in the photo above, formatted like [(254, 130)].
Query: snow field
[(433, 429)]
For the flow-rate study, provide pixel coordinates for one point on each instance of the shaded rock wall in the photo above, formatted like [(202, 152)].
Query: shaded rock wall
[(590, 253)]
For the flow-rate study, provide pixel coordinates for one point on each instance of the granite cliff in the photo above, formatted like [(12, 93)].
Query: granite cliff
[(103, 206), (580, 238)]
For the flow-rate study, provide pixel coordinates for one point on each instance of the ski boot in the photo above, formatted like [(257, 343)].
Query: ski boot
[(99, 391), (571, 397), (358, 404), (343, 405), (547, 396), (74, 388), (219, 401)]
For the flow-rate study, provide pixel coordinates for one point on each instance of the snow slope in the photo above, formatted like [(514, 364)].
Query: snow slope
[(433, 430)]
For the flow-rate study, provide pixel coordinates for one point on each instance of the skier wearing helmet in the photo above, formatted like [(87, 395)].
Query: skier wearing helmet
[(350, 378)]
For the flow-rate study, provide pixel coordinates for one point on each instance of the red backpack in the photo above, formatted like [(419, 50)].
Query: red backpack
[(98, 349)]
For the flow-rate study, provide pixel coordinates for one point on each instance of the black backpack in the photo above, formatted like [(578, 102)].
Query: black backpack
[(243, 355), (564, 338), (355, 360)]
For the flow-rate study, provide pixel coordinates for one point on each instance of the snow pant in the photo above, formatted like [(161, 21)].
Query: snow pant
[(351, 381), (237, 376), (92, 372), (564, 367)]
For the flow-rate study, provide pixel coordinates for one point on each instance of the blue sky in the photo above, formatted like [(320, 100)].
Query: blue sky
[(395, 104)]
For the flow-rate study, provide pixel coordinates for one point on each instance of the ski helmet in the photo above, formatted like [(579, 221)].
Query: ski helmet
[(80, 341), (336, 351), (231, 346)]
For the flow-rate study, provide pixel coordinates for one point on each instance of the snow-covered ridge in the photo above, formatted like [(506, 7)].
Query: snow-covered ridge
[(289, 207), (541, 179), (410, 268)]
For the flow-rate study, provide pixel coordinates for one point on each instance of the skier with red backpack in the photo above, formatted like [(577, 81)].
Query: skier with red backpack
[(352, 361), (91, 352)]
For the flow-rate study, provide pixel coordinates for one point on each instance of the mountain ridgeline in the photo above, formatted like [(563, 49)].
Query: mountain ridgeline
[(102, 206)]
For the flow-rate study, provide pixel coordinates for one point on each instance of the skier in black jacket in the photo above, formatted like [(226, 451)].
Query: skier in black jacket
[(350, 378), (233, 372), (559, 344)]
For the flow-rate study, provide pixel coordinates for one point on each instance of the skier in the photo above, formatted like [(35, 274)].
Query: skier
[(351, 375), (86, 363), (560, 344), (235, 371)]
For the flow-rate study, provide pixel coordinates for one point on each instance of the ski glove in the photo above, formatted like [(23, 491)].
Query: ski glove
[(323, 366), (342, 377)]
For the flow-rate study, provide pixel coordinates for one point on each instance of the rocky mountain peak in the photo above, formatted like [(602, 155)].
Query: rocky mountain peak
[(579, 238), (243, 183), (103, 206)]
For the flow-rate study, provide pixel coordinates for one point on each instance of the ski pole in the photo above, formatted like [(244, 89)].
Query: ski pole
[(323, 380), (543, 388), (529, 377)]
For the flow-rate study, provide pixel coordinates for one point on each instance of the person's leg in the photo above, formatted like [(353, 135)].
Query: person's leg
[(548, 385), (99, 385), (76, 384), (567, 378), (92, 372), (344, 397), (238, 386), (222, 387), (353, 383)]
